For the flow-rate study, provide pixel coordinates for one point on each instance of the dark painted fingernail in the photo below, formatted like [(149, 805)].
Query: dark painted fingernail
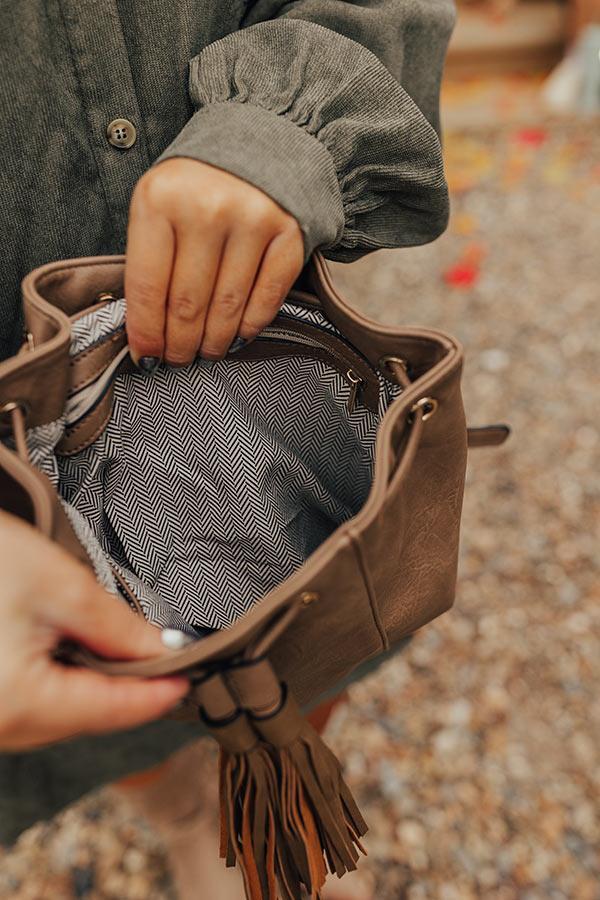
[(237, 344), (148, 364)]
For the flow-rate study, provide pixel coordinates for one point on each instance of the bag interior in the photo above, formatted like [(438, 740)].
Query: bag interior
[(211, 484)]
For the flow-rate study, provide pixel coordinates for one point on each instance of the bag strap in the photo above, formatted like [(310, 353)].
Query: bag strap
[(487, 435)]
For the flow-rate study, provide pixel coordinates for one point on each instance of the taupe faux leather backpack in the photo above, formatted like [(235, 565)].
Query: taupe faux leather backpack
[(293, 510)]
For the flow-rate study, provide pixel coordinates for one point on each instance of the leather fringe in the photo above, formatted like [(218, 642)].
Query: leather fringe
[(287, 816)]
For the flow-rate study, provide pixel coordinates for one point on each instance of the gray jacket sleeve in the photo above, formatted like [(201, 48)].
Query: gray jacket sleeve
[(331, 108)]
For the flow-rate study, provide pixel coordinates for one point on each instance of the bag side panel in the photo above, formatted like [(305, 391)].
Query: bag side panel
[(410, 550), (333, 634)]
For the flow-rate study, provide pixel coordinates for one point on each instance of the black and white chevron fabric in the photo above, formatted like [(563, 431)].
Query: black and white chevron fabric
[(212, 484)]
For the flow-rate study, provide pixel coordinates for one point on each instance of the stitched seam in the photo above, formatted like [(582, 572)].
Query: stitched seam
[(101, 342), (89, 440), (89, 378), (126, 589), (95, 348), (141, 135), (312, 353), (82, 105), (364, 571)]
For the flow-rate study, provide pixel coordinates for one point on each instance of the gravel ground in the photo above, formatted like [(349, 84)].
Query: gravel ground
[(475, 755)]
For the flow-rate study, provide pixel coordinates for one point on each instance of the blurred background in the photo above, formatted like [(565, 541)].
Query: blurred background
[(475, 754)]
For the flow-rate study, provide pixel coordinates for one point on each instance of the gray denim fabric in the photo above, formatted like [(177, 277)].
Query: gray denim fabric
[(330, 107)]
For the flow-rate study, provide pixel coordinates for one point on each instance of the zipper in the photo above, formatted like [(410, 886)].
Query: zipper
[(355, 385), (360, 376), (79, 404), (355, 368)]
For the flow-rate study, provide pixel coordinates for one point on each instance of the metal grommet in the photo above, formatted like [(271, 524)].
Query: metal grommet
[(385, 361), (12, 406), (427, 404), (308, 597)]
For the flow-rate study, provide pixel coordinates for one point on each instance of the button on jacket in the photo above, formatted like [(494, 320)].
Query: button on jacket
[(330, 107)]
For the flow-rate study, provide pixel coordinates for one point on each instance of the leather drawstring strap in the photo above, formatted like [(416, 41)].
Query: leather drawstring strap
[(484, 436), (287, 816), (17, 419), (487, 435)]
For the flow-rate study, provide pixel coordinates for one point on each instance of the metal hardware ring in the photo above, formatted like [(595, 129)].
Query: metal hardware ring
[(11, 406), (14, 405), (428, 404), (386, 360)]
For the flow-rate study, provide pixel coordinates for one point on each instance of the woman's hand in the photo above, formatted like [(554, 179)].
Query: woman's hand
[(46, 596), (209, 257)]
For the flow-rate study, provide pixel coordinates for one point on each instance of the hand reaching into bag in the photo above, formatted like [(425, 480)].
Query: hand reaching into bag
[(46, 596), (209, 257)]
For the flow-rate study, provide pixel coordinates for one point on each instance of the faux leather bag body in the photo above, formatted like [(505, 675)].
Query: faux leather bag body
[(373, 557)]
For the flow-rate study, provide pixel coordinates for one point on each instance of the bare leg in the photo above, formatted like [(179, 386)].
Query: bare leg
[(179, 800)]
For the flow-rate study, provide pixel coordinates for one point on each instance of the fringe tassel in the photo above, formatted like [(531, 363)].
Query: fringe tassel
[(248, 788), (287, 814)]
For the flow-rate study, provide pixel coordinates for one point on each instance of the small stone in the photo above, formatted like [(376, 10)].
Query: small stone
[(448, 741), (494, 360), (568, 593), (585, 748), (578, 623), (458, 713), (133, 860), (83, 881), (412, 833)]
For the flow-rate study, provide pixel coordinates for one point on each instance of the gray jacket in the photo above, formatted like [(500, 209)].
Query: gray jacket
[(330, 107)]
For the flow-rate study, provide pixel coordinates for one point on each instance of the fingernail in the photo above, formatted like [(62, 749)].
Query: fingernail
[(237, 344), (174, 639), (148, 364)]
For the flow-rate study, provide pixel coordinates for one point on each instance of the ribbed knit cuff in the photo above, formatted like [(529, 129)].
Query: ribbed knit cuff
[(275, 155)]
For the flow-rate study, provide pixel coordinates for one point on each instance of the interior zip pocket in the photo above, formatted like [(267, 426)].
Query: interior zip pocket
[(82, 402), (287, 332), (285, 336)]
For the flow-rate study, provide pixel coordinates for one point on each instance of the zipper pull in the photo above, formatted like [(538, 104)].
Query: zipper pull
[(355, 385)]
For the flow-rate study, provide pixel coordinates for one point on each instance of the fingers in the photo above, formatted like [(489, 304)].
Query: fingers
[(197, 237), (198, 259), (47, 595), (150, 255), (69, 702), (94, 703), (281, 265), (241, 260), (90, 616), (45, 591)]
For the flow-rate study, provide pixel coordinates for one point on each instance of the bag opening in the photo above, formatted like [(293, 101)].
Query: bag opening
[(210, 484)]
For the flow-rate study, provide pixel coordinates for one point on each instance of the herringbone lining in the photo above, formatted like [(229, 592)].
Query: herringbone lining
[(212, 484)]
